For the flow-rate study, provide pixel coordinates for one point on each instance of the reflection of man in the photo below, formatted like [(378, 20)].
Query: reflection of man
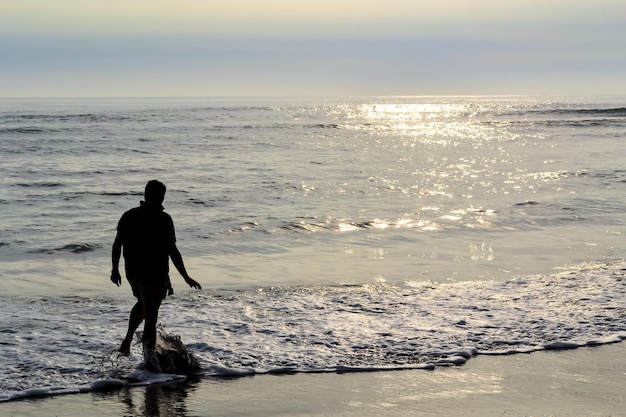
[(147, 235)]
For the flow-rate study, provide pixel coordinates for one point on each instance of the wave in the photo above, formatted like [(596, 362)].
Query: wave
[(333, 225), (236, 109), (64, 117), (143, 378), (594, 118), (289, 126), (583, 123), (73, 248), (43, 184), (26, 130), (286, 330), (387, 327), (615, 112), (81, 194)]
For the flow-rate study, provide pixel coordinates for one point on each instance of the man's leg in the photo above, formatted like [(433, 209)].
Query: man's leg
[(151, 315), (151, 312), (136, 317)]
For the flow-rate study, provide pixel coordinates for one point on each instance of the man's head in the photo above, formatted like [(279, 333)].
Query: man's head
[(155, 192)]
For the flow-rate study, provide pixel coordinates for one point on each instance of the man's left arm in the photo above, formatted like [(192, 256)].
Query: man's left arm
[(177, 260)]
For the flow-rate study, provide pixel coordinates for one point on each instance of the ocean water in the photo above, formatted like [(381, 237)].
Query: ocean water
[(330, 235)]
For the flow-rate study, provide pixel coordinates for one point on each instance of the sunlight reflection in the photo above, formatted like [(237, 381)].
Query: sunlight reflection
[(482, 252), (378, 224), (440, 124), (400, 111), (377, 253), (451, 217), (347, 227)]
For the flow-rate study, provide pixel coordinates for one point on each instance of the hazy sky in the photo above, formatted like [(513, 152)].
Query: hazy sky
[(320, 47)]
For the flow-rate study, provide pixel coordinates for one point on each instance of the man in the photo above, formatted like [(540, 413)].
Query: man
[(146, 233)]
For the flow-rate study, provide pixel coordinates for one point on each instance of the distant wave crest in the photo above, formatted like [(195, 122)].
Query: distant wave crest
[(72, 247)]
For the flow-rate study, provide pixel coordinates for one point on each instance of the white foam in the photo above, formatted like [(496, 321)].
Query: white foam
[(145, 377), (108, 384), (64, 345), (562, 345)]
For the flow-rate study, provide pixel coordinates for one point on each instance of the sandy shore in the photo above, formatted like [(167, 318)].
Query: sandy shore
[(581, 382)]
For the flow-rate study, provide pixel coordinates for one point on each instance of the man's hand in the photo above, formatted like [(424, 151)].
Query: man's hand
[(116, 278), (192, 283)]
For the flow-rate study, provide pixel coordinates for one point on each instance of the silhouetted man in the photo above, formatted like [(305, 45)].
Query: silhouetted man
[(146, 234)]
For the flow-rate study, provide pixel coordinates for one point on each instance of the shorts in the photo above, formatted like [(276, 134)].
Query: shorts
[(149, 290)]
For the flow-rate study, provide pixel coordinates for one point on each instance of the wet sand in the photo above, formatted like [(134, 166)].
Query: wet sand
[(581, 382)]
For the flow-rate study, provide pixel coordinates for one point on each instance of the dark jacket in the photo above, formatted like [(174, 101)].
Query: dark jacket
[(146, 234)]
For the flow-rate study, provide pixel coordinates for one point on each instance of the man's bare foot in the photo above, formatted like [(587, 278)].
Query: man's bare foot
[(151, 359), (125, 348)]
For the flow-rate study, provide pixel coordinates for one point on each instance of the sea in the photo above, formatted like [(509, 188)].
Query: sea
[(344, 234)]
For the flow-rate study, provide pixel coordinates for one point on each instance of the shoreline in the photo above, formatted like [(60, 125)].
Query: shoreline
[(587, 381)]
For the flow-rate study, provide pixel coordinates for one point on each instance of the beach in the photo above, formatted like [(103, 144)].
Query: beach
[(378, 235), (384, 209), (580, 382)]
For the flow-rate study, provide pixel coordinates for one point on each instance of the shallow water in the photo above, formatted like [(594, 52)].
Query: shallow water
[(352, 234)]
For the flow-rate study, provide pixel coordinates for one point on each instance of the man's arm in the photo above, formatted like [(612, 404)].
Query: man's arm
[(116, 278), (177, 260)]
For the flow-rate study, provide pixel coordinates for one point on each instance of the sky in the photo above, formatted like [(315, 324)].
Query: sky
[(147, 48)]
